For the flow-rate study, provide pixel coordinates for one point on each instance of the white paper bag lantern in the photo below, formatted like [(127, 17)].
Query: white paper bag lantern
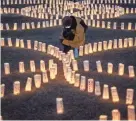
[(86, 65), (39, 46), (99, 46), (7, 68), (103, 118), (43, 47), (17, 42), (105, 45), (28, 44), (116, 115), (90, 48), (90, 85), (2, 42), (15, 26), (129, 96), (86, 49), (114, 93), (110, 68), (121, 69), (45, 77), (9, 42), (7, 26), (95, 47), (115, 45), (42, 66), (74, 64), (130, 42), (52, 73), (97, 88), (120, 43), (122, 26), (105, 92), (114, 25), (103, 24), (69, 74), (83, 83), (37, 80), (27, 25), (22, 43), (129, 26), (131, 71), (28, 86), (16, 88), (110, 45), (81, 51), (2, 89), (99, 66), (23, 26), (50, 63), (21, 67), (59, 105), (77, 80), (125, 43), (131, 113), (72, 77), (35, 45), (32, 66)]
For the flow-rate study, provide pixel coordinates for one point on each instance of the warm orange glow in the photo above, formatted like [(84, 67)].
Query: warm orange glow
[(103, 117), (37, 80), (90, 85), (28, 86), (131, 71), (115, 115), (131, 113), (2, 90), (99, 66), (21, 67), (16, 88), (114, 93), (129, 96), (105, 92)]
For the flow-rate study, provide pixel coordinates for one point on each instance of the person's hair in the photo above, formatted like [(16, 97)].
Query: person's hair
[(67, 21)]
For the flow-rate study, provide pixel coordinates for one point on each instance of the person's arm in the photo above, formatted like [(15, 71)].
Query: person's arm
[(84, 25)]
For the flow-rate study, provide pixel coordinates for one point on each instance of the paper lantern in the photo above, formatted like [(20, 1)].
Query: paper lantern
[(115, 46), (16, 88), (77, 80), (2, 89), (27, 25), (98, 24), (129, 26), (90, 48), (90, 85), (95, 47), (60, 21), (21, 67), (28, 44), (120, 43), (7, 26), (42, 65), (103, 24), (99, 46), (74, 64), (23, 26), (83, 83), (35, 45), (121, 69), (103, 117), (7, 68), (32, 24), (43, 47), (22, 43), (125, 42), (86, 49), (81, 51), (130, 42), (72, 54), (114, 25), (45, 77), (28, 86), (69, 74), (56, 68), (32, 66), (108, 24), (39, 46), (131, 71), (131, 113), (50, 63), (59, 105), (115, 115), (122, 26), (114, 93), (17, 42), (97, 88), (129, 96), (1, 118), (15, 26), (52, 73), (105, 92), (9, 42), (37, 80), (99, 66), (105, 45), (72, 77), (110, 45), (86, 65), (2, 42), (110, 68)]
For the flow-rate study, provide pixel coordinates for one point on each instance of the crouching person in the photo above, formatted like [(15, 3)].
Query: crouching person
[(73, 34)]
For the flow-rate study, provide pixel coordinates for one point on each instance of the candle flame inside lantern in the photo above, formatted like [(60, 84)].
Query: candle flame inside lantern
[(16, 88), (37, 80), (59, 105), (115, 115), (131, 113)]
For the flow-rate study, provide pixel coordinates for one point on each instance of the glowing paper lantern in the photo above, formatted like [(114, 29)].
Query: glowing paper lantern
[(97, 88), (86, 65), (120, 43), (129, 96), (110, 68), (81, 51), (131, 71), (125, 42), (122, 26), (130, 42), (59, 105), (115, 46), (72, 77), (69, 74), (99, 66), (43, 47), (1, 118), (56, 68), (83, 83), (28, 44), (32, 66), (105, 92), (121, 69), (110, 45), (2, 42), (27, 25), (15, 26), (17, 42), (9, 42), (37, 80), (77, 80), (74, 64), (99, 46), (103, 24), (103, 117), (22, 43), (86, 49), (131, 113), (50, 63), (23, 26), (21, 67), (45, 77), (114, 25), (114, 93), (90, 85), (52, 73), (28, 86), (16, 88), (42, 65), (90, 48), (105, 45), (35, 45), (39, 46), (129, 26), (95, 47), (115, 115), (7, 26), (7, 68), (2, 89)]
